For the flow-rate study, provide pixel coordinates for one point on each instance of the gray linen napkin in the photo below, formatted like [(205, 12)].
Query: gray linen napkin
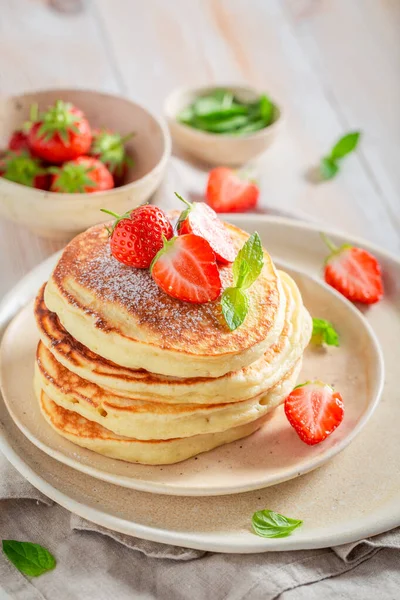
[(104, 565)]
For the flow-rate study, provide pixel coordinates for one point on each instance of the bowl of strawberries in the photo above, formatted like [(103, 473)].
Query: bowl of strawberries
[(64, 154)]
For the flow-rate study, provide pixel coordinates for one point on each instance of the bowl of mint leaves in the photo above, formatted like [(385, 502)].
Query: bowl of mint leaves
[(225, 125)]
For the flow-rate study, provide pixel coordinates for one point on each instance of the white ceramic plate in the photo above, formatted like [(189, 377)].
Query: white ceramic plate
[(271, 455), (356, 494)]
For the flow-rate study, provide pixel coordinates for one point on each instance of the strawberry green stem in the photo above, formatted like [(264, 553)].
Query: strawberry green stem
[(127, 137), (109, 212), (332, 247), (34, 112), (183, 200), (117, 217)]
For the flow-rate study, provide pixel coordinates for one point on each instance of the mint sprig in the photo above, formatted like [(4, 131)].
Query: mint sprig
[(30, 559), (269, 524), (246, 267), (324, 333), (330, 164)]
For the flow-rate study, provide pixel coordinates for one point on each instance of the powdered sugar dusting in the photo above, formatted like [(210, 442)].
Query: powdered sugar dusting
[(89, 261)]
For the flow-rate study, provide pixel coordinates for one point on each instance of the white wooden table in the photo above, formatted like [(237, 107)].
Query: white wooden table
[(333, 65)]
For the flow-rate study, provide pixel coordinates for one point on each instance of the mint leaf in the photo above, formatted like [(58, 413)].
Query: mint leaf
[(252, 254), (345, 145), (266, 109), (329, 165), (328, 168), (244, 269), (324, 333), (30, 559), (269, 524), (235, 305)]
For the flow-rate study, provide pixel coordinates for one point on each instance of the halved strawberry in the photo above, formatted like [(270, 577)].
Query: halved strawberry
[(185, 268), (353, 272), (314, 410), (227, 192), (202, 220)]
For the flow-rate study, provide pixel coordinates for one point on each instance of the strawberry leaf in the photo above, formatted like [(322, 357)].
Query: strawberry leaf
[(110, 149), (21, 168), (73, 178), (324, 333), (30, 559), (269, 524), (235, 305), (117, 218), (185, 213), (60, 119)]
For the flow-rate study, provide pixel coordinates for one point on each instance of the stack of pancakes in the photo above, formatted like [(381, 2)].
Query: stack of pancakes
[(129, 372)]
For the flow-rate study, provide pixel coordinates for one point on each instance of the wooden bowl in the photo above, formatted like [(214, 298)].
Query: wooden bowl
[(59, 216), (218, 149)]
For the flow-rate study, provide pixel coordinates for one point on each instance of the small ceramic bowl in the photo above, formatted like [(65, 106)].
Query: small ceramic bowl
[(60, 216), (218, 149)]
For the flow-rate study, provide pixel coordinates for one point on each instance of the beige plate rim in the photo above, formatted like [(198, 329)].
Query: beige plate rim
[(232, 541), (147, 485)]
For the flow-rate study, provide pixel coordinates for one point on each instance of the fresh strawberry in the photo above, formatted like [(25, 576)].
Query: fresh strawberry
[(137, 236), (353, 272), (83, 175), (227, 192), (314, 409), (202, 220), (18, 141), (60, 134), (22, 168), (185, 268), (109, 147)]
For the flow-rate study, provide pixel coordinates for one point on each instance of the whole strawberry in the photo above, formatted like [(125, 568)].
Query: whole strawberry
[(22, 168), (227, 192), (109, 147), (83, 175), (18, 141), (60, 134), (137, 236), (353, 272)]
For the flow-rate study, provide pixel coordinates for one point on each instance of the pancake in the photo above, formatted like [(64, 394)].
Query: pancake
[(151, 420), (240, 385), (95, 437), (120, 313)]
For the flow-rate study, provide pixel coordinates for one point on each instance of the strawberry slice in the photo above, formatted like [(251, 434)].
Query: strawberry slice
[(185, 268), (353, 272), (314, 410), (227, 192), (202, 220)]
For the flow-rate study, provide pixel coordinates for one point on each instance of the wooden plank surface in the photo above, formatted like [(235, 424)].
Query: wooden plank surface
[(332, 65)]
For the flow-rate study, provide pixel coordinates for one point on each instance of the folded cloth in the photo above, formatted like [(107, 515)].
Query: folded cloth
[(104, 565)]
